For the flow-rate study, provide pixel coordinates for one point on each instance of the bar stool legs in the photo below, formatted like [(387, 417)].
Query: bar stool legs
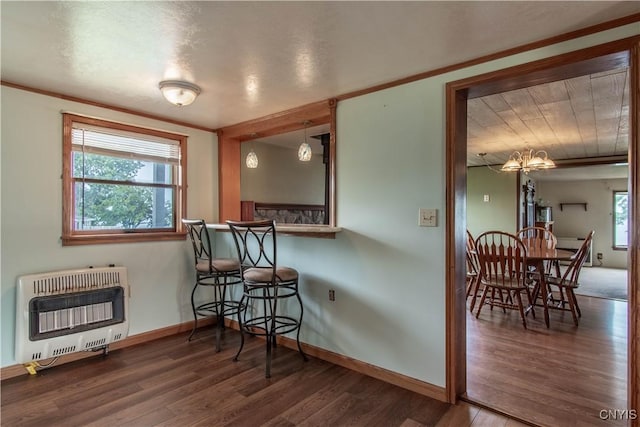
[(219, 307), (304, 356), (266, 285), (215, 273), (270, 324)]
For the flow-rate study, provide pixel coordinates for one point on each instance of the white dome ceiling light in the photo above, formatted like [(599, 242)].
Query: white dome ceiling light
[(178, 92)]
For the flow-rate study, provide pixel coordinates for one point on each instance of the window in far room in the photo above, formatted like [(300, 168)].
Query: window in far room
[(121, 182), (620, 216)]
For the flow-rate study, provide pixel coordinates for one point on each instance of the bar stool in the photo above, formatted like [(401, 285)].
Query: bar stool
[(265, 284), (212, 272)]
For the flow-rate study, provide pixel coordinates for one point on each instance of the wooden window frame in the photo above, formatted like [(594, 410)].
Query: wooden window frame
[(72, 237)]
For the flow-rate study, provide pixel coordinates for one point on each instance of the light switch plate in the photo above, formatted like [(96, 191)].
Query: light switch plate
[(428, 217)]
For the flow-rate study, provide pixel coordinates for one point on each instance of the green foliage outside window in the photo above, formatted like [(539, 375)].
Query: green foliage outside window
[(620, 219), (622, 206), (111, 205)]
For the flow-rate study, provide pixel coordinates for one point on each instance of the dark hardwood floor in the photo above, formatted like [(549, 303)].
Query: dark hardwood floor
[(172, 382), (561, 376)]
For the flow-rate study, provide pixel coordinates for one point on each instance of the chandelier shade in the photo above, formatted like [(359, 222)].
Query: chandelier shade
[(527, 161)]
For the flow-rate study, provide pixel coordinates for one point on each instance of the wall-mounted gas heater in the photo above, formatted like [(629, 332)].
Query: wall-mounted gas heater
[(63, 312)]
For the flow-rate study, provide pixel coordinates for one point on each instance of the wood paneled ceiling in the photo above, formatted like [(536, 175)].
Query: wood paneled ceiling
[(581, 117)]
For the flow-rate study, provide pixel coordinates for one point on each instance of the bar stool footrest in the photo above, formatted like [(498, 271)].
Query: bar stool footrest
[(283, 325)]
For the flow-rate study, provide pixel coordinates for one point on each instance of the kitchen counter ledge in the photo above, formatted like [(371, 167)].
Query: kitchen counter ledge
[(304, 230)]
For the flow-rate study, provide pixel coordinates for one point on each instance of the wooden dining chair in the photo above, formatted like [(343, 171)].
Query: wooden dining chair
[(473, 271), (569, 281), (502, 258), (542, 238), (537, 236)]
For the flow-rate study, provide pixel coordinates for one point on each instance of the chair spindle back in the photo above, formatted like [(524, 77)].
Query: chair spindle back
[(502, 257), (573, 270), (537, 237)]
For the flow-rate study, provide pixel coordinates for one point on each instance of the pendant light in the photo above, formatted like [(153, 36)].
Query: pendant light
[(252, 159), (304, 151)]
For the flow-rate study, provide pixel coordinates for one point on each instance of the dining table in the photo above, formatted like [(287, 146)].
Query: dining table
[(536, 257)]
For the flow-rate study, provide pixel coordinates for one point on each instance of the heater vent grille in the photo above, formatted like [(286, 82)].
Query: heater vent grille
[(64, 350), (95, 343), (62, 312), (75, 281)]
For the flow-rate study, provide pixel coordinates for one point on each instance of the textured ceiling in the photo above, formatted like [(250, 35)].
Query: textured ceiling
[(256, 58)]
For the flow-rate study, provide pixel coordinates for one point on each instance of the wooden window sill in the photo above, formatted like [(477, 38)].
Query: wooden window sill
[(96, 239)]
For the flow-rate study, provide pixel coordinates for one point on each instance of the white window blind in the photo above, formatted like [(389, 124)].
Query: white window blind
[(114, 142)]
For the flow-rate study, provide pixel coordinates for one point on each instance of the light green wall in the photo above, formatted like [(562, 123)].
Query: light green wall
[(388, 274), (501, 211), (160, 273)]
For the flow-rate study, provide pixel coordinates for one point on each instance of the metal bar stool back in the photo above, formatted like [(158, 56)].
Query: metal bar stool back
[(217, 273), (266, 285)]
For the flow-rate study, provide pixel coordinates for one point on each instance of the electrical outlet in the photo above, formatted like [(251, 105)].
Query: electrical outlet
[(332, 295), (599, 256)]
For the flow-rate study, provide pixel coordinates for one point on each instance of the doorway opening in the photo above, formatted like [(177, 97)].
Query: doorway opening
[(526, 353)]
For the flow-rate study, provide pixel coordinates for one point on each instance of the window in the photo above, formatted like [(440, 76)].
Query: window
[(620, 218), (121, 182)]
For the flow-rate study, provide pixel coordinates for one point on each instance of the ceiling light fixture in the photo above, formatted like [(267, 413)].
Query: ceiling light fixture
[(178, 92), (527, 161), (252, 159), (304, 151)]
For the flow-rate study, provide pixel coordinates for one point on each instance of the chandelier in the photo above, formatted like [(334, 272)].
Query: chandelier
[(527, 161)]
